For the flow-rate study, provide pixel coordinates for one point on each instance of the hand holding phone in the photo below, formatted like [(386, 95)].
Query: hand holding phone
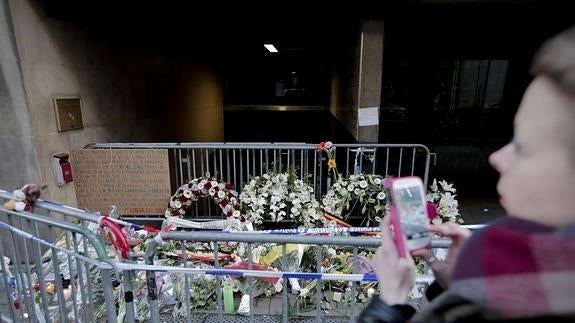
[(408, 214), (442, 269), (396, 275)]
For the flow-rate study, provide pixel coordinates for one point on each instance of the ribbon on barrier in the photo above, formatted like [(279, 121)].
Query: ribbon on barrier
[(116, 236)]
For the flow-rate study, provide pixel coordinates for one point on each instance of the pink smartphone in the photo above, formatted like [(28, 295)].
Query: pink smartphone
[(409, 214)]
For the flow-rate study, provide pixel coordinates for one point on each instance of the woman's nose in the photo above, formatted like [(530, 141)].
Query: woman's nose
[(501, 159)]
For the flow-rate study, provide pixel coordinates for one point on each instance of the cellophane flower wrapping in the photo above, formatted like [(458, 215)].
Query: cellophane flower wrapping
[(201, 289), (294, 255)]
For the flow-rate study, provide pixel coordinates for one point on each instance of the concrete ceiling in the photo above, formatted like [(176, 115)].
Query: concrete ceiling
[(307, 29), (236, 27)]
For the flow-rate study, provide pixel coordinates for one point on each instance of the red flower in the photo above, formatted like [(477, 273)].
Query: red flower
[(207, 185), (321, 146)]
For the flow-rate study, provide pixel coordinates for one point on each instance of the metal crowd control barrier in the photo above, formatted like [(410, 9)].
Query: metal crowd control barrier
[(238, 162), (52, 271), (254, 238), (64, 285), (52, 211)]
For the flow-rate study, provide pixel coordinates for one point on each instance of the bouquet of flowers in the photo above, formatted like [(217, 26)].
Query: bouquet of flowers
[(329, 149), (443, 196), (221, 192), (252, 287), (280, 196), (140, 289), (363, 192), (336, 260), (201, 292), (294, 254)]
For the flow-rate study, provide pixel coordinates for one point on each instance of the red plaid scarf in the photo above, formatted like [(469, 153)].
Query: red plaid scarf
[(515, 268)]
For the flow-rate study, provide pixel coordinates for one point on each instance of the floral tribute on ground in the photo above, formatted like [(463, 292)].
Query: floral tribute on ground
[(364, 193), (221, 192), (274, 198), (278, 197), (443, 197)]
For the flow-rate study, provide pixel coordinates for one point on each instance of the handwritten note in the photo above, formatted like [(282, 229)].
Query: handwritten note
[(137, 181)]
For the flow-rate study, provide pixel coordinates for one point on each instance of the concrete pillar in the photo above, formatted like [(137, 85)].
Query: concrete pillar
[(18, 160), (356, 80), (18, 157), (370, 75)]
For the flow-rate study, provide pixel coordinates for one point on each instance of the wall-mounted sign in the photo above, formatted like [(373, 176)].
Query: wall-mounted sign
[(369, 116), (68, 113)]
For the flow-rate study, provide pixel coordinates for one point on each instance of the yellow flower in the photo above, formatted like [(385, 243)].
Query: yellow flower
[(331, 163)]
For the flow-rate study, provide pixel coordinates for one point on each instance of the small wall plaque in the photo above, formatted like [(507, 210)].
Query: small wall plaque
[(68, 113)]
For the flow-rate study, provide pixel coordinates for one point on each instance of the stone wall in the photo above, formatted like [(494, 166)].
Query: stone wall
[(17, 141), (123, 93)]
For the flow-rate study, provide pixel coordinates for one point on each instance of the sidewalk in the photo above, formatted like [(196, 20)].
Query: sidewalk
[(480, 209), (269, 309)]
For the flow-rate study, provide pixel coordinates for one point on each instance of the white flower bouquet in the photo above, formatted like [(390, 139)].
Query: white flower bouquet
[(278, 197), (443, 196), (364, 193)]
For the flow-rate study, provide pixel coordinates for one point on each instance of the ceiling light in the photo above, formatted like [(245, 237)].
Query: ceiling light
[(271, 48)]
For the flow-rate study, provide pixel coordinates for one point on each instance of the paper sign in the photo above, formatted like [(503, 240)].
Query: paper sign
[(136, 181), (369, 116)]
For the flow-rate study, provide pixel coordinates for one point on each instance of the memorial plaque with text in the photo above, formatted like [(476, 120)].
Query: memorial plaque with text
[(137, 181)]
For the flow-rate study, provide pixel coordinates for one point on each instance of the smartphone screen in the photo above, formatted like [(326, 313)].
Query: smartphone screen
[(409, 200)]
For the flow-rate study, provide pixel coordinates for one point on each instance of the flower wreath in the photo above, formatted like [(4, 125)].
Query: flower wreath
[(280, 196), (363, 192), (221, 192)]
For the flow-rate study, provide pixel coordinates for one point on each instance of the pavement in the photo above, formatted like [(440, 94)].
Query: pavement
[(480, 209), (270, 309)]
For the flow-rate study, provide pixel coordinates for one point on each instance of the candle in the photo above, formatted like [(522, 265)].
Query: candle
[(228, 299)]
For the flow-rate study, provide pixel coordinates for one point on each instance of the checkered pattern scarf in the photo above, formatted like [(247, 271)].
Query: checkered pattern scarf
[(524, 270)]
